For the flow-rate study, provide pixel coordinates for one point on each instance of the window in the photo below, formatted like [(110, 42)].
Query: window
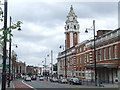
[(96, 55), (68, 63), (115, 51), (68, 27), (87, 57), (104, 53), (75, 27), (84, 48), (80, 49), (80, 60), (75, 60), (100, 55), (109, 52)]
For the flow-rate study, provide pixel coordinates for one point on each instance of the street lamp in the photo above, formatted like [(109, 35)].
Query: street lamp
[(65, 59), (95, 70), (19, 29), (51, 62), (9, 79), (45, 67), (4, 48), (14, 62), (62, 46)]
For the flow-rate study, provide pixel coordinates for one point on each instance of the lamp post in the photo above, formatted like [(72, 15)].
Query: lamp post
[(9, 56), (51, 62), (45, 67), (95, 70), (65, 59), (4, 48), (19, 29), (14, 62)]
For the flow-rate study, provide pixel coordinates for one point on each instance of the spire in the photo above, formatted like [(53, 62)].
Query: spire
[(71, 13), (71, 8)]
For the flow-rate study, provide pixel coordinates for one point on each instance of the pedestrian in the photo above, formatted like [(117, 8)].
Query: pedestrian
[(7, 77)]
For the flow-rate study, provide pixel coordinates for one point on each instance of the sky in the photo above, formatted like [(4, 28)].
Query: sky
[(44, 21)]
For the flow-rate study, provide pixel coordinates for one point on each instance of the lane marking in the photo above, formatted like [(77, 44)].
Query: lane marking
[(28, 85)]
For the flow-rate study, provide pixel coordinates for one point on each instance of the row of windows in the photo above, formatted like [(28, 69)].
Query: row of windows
[(101, 54), (106, 53), (82, 49)]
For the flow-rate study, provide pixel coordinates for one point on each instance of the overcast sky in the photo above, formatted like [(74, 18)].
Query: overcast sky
[(43, 25)]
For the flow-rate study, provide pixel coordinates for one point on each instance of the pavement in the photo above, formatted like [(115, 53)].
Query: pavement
[(16, 85), (19, 84)]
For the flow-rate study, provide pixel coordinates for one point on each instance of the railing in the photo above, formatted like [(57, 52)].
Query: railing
[(108, 37)]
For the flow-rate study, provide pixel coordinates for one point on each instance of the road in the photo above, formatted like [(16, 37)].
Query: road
[(48, 84)]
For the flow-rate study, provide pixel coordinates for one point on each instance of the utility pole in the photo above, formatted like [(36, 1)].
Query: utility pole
[(51, 62), (10, 55), (95, 69), (65, 61), (4, 48), (45, 68), (95, 54)]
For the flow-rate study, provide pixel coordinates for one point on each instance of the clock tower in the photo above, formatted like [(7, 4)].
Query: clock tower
[(71, 29)]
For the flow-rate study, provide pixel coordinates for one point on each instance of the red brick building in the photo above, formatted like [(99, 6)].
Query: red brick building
[(80, 56)]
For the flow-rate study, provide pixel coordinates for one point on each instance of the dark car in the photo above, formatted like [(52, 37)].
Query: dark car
[(33, 77), (75, 81)]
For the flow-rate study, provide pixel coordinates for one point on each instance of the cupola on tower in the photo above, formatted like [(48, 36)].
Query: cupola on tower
[(71, 29)]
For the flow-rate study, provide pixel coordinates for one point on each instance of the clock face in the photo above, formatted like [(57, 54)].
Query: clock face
[(71, 18)]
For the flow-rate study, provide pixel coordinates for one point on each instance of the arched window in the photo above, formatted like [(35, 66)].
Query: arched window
[(68, 27), (75, 27)]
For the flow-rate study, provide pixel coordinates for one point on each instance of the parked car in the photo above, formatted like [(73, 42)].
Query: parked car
[(75, 81), (27, 78), (33, 77), (41, 78), (63, 80), (54, 80)]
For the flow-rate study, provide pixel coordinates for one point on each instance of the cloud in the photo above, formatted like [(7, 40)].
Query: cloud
[(43, 25)]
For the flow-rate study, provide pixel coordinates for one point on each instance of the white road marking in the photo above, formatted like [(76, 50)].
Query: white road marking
[(29, 85)]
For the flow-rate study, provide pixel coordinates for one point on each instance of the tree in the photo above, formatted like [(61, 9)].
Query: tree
[(9, 29)]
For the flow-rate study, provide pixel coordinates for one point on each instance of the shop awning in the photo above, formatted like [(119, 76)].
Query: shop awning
[(100, 65)]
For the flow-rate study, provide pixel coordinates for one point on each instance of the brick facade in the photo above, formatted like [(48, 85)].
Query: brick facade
[(80, 57)]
